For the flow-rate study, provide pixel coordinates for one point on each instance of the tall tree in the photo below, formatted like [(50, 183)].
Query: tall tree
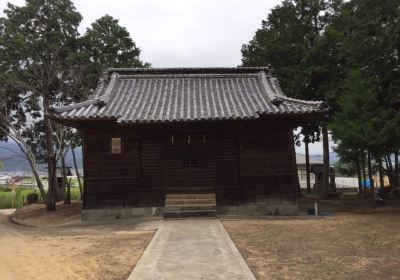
[(366, 38), (362, 124), (109, 45), (292, 42), (37, 41), (45, 62)]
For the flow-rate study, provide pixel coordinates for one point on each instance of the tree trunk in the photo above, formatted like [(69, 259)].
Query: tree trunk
[(66, 185), (26, 150), (325, 178), (77, 172), (372, 194), (364, 174), (51, 158), (307, 165), (360, 187), (35, 172)]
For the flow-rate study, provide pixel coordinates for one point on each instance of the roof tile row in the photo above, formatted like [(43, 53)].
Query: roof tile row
[(164, 95)]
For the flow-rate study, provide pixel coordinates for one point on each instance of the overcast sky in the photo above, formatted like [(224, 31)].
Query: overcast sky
[(183, 33), (177, 33)]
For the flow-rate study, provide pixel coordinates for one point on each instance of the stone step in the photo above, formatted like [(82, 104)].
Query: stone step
[(190, 196), (180, 206), (190, 214), (190, 207), (181, 201)]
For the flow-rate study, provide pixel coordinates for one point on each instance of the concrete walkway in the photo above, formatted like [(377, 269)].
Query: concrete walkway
[(191, 249)]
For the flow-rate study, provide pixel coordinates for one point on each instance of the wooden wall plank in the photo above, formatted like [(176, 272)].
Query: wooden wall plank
[(241, 162)]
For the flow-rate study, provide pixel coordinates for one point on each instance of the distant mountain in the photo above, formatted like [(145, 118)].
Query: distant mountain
[(14, 162)]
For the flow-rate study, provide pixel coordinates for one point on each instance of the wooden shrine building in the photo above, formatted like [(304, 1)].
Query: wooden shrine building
[(213, 133)]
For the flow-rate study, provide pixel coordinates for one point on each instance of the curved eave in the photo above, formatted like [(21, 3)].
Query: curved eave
[(317, 113)]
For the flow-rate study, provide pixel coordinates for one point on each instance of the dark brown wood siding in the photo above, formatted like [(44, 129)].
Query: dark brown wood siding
[(266, 160), (111, 180), (242, 162)]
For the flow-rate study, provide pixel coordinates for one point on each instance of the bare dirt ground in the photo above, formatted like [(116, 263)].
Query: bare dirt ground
[(355, 243), (35, 215), (74, 250)]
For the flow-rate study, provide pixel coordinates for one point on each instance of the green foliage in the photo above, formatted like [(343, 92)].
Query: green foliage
[(345, 168), (289, 41), (354, 111), (292, 42), (367, 41), (37, 39), (1, 165), (109, 45), (38, 42)]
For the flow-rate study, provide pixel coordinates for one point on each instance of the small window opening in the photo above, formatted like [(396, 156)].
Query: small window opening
[(116, 145)]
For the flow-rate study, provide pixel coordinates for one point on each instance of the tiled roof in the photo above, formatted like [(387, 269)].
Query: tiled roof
[(186, 94)]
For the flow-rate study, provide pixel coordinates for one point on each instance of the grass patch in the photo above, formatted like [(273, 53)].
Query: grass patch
[(75, 194), (19, 194)]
